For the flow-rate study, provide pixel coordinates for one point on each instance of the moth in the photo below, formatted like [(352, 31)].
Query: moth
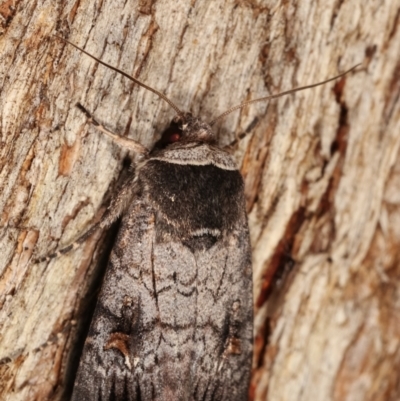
[(174, 319)]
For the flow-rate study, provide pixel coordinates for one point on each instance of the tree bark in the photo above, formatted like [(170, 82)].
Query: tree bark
[(321, 169)]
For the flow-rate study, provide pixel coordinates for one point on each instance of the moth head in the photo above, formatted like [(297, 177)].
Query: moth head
[(185, 128)]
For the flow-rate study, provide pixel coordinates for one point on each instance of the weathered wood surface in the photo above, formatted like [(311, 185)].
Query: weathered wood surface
[(322, 171)]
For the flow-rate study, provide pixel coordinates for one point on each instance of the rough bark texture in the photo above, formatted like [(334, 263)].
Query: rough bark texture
[(322, 173)]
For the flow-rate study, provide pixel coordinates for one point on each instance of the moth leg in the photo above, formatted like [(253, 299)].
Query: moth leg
[(117, 206), (232, 145), (121, 141)]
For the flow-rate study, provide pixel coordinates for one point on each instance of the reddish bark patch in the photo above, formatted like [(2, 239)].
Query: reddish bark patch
[(281, 256), (69, 155), (145, 6), (7, 11)]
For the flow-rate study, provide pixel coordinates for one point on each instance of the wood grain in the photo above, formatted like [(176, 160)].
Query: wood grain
[(321, 169)]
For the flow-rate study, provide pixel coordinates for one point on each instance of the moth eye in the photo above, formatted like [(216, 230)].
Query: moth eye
[(171, 135), (175, 137)]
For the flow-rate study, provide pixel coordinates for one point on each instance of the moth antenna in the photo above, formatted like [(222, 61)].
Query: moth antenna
[(270, 97), (136, 81)]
